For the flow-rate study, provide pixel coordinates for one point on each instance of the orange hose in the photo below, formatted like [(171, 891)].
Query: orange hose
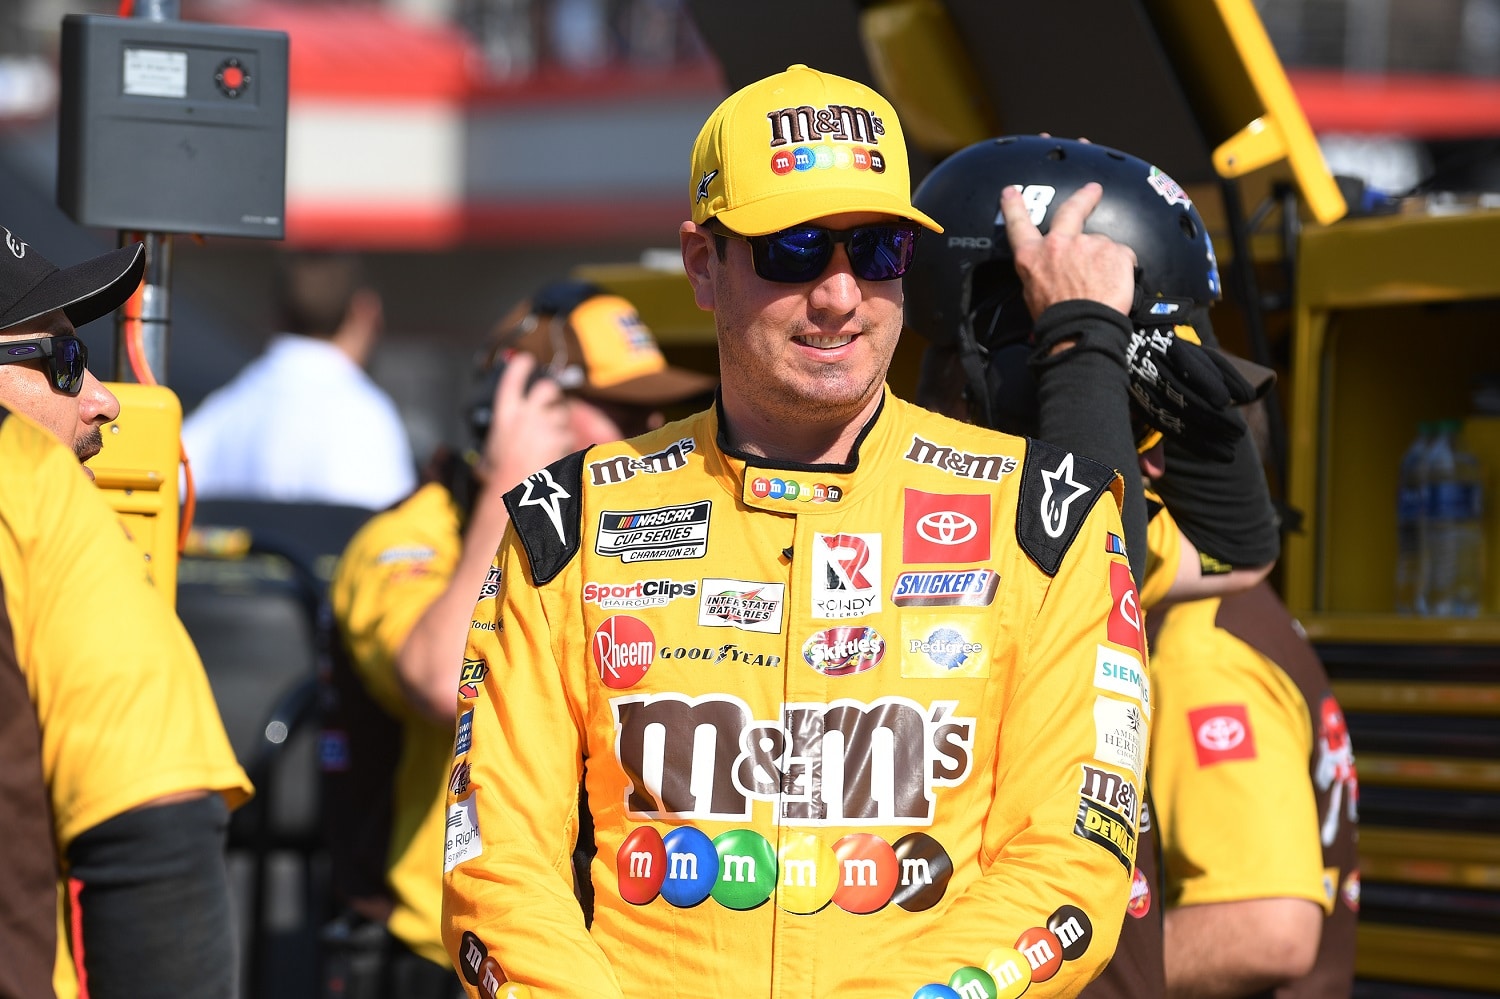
[(189, 500), (135, 352)]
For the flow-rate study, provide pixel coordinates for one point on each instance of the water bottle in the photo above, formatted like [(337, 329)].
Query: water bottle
[(1455, 529), (1411, 495), (1470, 590)]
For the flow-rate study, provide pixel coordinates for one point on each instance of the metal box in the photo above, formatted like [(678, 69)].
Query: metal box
[(173, 126)]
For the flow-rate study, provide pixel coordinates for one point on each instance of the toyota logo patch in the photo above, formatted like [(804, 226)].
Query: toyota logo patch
[(945, 527)]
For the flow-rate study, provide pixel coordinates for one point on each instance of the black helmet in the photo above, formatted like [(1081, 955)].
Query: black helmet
[(966, 278)]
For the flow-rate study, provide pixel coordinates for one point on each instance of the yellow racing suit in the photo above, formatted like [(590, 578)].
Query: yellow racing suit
[(846, 730)]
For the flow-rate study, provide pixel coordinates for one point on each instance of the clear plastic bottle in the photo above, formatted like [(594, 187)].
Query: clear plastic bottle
[(1411, 498), (1455, 527), (1470, 590)]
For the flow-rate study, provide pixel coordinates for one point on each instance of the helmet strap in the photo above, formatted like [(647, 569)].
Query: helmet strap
[(971, 354), (1159, 310)]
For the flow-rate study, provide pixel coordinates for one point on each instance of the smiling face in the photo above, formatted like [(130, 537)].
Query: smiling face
[(26, 389), (795, 354)]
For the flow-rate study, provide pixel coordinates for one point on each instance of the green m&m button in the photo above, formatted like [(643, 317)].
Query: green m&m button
[(747, 869), (964, 982)]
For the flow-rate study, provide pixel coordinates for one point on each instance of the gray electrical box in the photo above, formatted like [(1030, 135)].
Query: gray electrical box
[(173, 126)]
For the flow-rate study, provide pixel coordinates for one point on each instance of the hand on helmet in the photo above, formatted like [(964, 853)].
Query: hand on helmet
[(530, 428), (1067, 263), (1187, 391)]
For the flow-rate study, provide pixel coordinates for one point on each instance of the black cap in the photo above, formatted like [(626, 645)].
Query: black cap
[(31, 285)]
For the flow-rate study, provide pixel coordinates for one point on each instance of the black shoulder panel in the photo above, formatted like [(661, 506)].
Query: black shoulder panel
[(547, 509), (1058, 489)]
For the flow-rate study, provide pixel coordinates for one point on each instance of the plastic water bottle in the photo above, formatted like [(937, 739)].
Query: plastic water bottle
[(1469, 590), (1455, 527), (1411, 496)]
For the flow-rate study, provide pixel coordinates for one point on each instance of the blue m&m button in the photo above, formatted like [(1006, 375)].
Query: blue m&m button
[(935, 991), (692, 867)]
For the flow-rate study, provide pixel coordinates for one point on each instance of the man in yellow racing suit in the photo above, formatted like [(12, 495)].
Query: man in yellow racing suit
[(839, 674), (789, 714)]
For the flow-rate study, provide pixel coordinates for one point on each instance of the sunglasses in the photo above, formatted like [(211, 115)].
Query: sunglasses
[(67, 358), (879, 252)]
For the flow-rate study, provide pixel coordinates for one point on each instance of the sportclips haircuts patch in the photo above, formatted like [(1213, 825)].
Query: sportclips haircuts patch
[(656, 535)]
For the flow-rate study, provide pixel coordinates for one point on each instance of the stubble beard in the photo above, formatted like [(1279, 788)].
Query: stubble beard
[(89, 444)]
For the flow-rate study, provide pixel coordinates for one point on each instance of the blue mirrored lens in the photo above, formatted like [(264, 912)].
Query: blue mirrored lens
[(70, 359), (881, 253), (795, 255)]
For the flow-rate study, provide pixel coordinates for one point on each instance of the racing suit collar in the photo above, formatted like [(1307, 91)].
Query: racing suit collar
[(721, 421), (791, 487)]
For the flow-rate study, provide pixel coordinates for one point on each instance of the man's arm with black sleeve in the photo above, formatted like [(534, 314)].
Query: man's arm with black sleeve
[(1083, 396), (1078, 288), (152, 910)]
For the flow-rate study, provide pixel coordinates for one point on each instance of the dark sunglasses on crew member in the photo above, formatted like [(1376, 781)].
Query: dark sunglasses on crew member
[(67, 358), (878, 252)]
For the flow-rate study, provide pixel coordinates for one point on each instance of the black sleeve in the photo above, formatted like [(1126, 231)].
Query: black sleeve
[(1083, 396), (1223, 508), (154, 903)]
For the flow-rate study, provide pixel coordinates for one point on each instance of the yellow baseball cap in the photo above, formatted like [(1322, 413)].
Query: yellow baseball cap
[(602, 350), (797, 146)]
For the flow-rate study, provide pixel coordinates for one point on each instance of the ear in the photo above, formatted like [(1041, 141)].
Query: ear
[(699, 259)]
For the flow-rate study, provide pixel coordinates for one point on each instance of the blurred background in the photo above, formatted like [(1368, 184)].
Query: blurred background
[(471, 148)]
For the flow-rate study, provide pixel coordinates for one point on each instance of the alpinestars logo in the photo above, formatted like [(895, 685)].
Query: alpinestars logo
[(16, 247), (542, 490), (704, 181), (1059, 491)]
